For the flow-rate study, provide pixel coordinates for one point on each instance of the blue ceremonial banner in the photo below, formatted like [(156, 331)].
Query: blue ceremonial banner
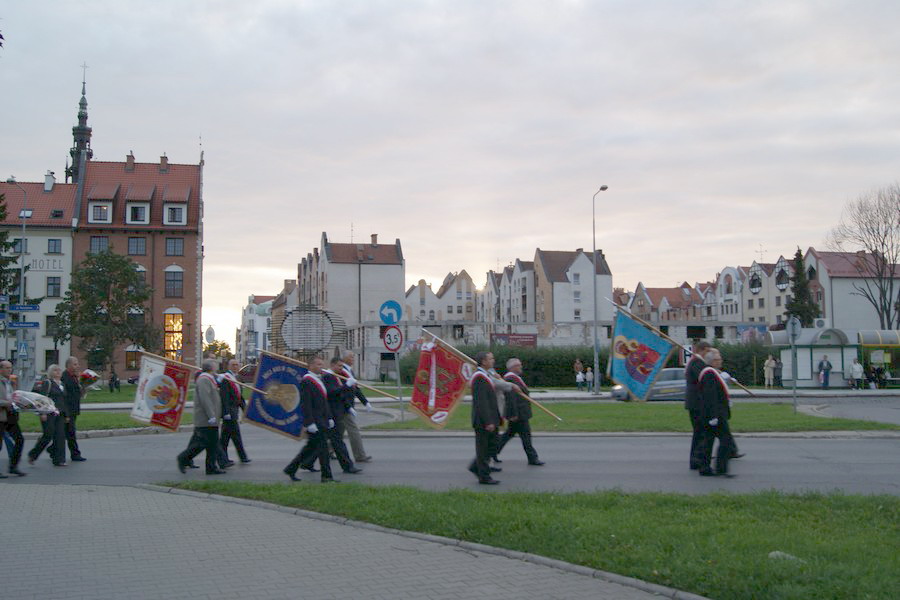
[(637, 355), (279, 409)]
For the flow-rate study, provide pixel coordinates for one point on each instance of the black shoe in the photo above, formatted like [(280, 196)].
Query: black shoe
[(291, 474), (472, 469), (310, 468), (353, 470), (191, 465), (694, 467), (31, 459), (496, 459), (227, 464), (537, 463), (181, 466), (707, 473), (16, 471), (495, 469), (330, 480), (60, 464), (737, 455), (488, 481), (215, 472), (245, 461), (78, 458)]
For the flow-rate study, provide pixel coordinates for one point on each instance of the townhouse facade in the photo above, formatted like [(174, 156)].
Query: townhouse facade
[(255, 330)]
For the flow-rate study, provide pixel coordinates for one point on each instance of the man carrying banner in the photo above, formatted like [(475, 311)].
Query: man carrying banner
[(485, 417), (340, 401), (232, 403), (350, 424), (207, 414), (518, 412), (692, 397), (317, 420), (715, 412)]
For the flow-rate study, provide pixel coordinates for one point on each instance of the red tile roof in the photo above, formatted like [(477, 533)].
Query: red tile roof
[(262, 299), (41, 203), (379, 254), (676, 296), (557, 262), (849, 264)]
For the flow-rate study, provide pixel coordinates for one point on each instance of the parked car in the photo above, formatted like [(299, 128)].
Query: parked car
[(134, 378), (669, 385), (247, 374)]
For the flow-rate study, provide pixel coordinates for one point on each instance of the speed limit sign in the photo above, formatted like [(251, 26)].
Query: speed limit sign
[(393, 338)]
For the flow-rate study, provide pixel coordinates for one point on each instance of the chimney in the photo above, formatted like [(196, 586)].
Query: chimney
[(579, 250), (163, 164), (129, 162), (374, 239), (49, 181)]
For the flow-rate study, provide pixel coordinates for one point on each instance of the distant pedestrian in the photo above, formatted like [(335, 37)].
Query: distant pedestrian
[(824, 370), (589, 379), (113, 383), (579, 380), (207, 415), (779, 370), (9, 420), (769, 372), (856, 374)]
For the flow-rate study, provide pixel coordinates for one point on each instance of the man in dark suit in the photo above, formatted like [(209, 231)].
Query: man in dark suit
[(715, 410), (485, 418), (692, 397), (207, 415), (518, 413), (340, 400), (232, 403), (72, 406), (317, 420)]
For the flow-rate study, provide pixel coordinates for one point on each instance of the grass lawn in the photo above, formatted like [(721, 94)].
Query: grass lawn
[(124, 394), (716, 545), (649, 416), (89, 420)]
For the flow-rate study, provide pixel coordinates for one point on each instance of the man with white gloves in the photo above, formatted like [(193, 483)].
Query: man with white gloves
[(317, 419), (353, 392), (715, 410)]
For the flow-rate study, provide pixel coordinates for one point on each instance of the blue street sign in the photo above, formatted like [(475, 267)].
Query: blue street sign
[(23, 325), (24, 307), (4, 298), (23, 351), (2, 316), (390, 312)]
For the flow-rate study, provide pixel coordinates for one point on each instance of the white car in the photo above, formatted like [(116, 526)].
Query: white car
[(669, 385)]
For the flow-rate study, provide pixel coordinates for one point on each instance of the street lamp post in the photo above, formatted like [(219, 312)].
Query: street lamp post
[(596, 382), (21, 332)]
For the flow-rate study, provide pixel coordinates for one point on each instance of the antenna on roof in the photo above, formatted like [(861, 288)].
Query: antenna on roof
[(762, 253), (351, 232)]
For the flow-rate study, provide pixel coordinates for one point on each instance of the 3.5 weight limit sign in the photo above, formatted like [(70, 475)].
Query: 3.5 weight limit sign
[(393, 339)]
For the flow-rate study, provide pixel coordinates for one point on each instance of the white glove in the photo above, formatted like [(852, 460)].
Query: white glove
[(714, 422), (350, 382), (330, 423), (226, 418), (212, 421), (369, 407), (312, 428), (726, 375), (352, 411)]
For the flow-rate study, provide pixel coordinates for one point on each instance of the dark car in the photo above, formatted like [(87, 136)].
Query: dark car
[(133, 379), (669, 385)]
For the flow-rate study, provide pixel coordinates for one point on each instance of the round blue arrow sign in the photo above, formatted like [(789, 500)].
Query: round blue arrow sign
[(390, 312)]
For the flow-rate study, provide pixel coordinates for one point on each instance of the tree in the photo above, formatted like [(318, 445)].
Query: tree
[(9, 276), (801, 304), (105, 307), (218, 348), (869, 232)]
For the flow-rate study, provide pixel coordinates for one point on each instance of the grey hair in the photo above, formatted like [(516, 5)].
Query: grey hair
[(711, 354), (512, 361), (348, 354), (71, 360), (51, 367), (209, 365)]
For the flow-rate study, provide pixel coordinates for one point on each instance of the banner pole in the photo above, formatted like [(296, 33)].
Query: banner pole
[(300, 363), (470, 361), (187, 366)]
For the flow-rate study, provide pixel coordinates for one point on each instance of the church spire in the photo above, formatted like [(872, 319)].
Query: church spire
[(81, 135)]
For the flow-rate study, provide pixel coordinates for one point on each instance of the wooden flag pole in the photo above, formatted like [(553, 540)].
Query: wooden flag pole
[(470, 361), (300, 363), (664, 336), (246, 385)]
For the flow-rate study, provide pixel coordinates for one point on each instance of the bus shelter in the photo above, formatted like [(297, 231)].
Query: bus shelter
[(812, 346)]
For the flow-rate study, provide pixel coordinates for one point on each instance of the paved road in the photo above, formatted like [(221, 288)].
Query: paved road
[(429, 461), (120, 543)]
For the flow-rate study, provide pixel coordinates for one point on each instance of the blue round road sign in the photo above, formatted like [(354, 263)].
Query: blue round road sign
[(390, 312)]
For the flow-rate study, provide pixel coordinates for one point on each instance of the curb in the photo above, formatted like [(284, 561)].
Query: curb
[(553, 563)]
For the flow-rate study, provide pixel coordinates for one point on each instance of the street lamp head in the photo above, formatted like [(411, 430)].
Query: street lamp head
[(11, 179), (603, 188)]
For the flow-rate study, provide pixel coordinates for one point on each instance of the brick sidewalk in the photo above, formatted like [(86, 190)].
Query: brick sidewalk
[(93, 542)]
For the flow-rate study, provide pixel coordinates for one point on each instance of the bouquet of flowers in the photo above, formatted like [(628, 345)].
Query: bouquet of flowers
[(33, 401), (88, 378)]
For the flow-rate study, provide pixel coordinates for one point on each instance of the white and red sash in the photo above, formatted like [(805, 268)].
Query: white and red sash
[(687, 365), (233, 382), (483, 374), (209, 376), (513, 378), (317, 381), (712, 371)]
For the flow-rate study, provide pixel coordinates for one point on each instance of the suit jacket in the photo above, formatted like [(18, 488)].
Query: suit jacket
[(340, 397), (207, 402), (355, 392), (692, 382), (7, 413), (232, 400), (314, 402), (713, 396), (484, 401), (517, 406), (72, 404)]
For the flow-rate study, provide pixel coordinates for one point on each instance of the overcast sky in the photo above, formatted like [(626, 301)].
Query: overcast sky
[(474, 131)]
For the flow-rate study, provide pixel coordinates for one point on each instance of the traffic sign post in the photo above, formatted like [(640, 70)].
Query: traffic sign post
[(23, 351), (794, 328), (393, 341), (390, 312)]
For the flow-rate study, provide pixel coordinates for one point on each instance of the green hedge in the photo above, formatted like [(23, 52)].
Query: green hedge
[(544, 367), (745, 361)]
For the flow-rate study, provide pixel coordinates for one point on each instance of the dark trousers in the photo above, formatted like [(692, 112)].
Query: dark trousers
[(523, 428), (204, 438), (316, 448), (485, 442), (727, 447), (696, 456), (335, 438), (71, 437), (53, 435), (13, 430), (231, 431)]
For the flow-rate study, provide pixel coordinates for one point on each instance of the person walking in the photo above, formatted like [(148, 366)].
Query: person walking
[(9, 420), (340, 402), (207, 415), (485, 417), (715, 412), (856, 374), (350, 423), (518, 413), (588, 379), (824, 369), (72, 406), (317, 420), (692, 370), (779, 369), (769, 372), (53, 426), (232, 403)]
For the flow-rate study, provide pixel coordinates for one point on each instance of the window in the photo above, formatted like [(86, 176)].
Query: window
[(51, 357), (752, 319), (450, 310), (431, 315), (719, 332), (56, 214), (54, 287), (762, 303), (174, 246), (137, 246), (577, 314), (100, 212), (17, 247), (778, 318), (576, 297), (173, 336), (576, 278), (138, 214), (99, 243), (459, 309), (136, 318), (174, 215), (132, 360), (777, 300), (422, 313), (755, 283), (696, 332), (811, 274), (787, 299), (750, 303), (50, 325), (468, 308), (174, 284), (459, 294), (422, 301), (54, 246), (662, 328), (25, 213)]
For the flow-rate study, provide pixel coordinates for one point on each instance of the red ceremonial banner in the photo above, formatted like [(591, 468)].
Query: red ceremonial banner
[(161, 392), (440, 382)]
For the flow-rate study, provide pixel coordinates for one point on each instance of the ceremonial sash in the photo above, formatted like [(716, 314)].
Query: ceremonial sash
[(316, 380), (481, 373), (229, 377), (513, 378), (711, 371)]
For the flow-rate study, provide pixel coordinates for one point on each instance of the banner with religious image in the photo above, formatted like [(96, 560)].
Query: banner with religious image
[(279, 408), (440, 382), (161, 392), (637, 355)]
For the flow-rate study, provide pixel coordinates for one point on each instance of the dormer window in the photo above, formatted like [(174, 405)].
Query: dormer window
[(174, 214), (25, 213), (56, 214), (137, 213), (100, 212)]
